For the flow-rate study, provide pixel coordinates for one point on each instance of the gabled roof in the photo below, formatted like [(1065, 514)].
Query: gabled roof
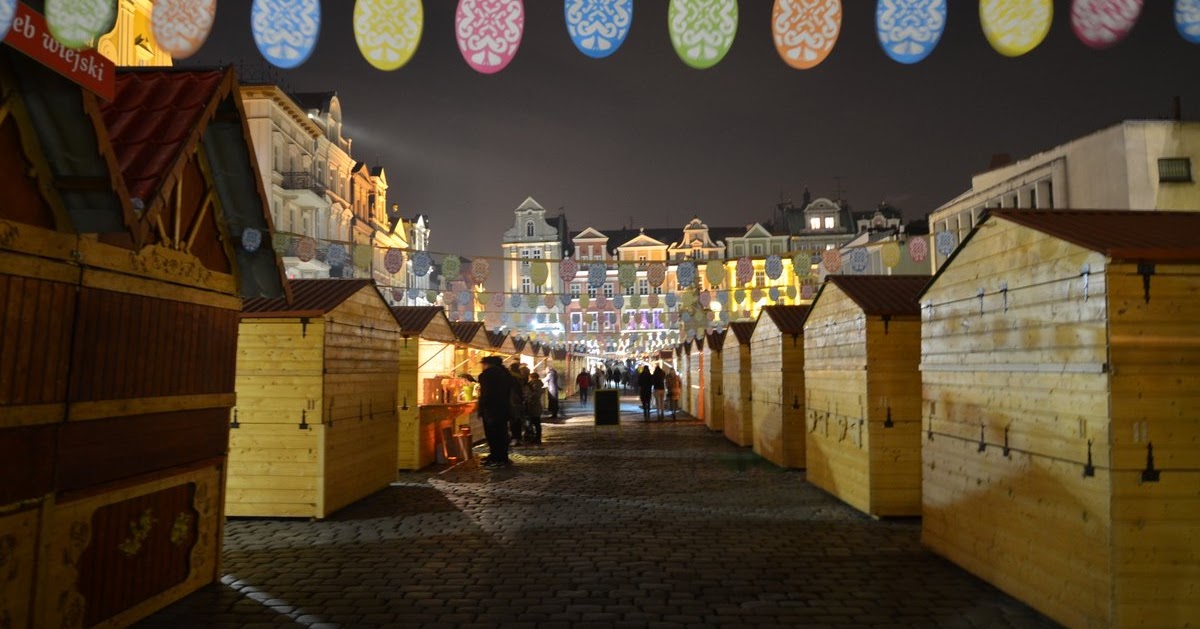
[(700, 343), (716, 340), (591, 233), (466, 330), (496, 338), (414, 319), (1151, 236), (310, 298), (757, 231), (519, 344), (743, 330), (880, 295), (529, 204), (558, 354), (789, 319)]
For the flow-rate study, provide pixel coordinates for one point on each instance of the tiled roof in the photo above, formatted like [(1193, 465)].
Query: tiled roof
[(743, 330), (665, 235), (559, 354), (310, 298), (882, 294), (700, 344), (414, 319), (789, 319), (1119, 234), (153, 117), (716, 340), (496, 338), (466, 330), (519, 344)]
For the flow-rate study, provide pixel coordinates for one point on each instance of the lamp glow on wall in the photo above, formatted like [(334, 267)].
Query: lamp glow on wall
[(702, 31), (805, 31), (1015, 27), (388, 31), (909, 30), (78, 23), (489, 32), (285, 31), (598, 27)]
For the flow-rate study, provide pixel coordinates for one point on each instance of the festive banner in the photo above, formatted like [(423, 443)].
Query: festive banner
[(1187, 19), (77, 23), (285, 31), (909, 30), (538, 272), (1101, 24), (702, 31), (918, 248), (489, 32), (685, 274), (388, 31), (889, 254), (598, 27), (597, 273), (1015, 27), (744, 270), (805, 31), (180, 27), (715, 271), (656, 274), (832, 259)]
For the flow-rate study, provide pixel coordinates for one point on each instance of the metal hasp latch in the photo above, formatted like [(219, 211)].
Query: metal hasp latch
[(1146, 269)]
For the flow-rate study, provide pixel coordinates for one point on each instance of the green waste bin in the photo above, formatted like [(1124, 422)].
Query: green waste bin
[(608, 407)]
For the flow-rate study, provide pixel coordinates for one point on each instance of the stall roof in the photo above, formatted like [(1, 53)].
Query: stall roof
[(743, 330), (700, 343), (559, 354), (881, 295), (716, 340), (465, 331), (414, 319), (1151, 236), (789, 319), (310, 298)]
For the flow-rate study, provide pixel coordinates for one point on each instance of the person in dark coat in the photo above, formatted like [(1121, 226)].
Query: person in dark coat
[(583, 382), (660, 388), (496, 385), (645, 385), (552, 391)]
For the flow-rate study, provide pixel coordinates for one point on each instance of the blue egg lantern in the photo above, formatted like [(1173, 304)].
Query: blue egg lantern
[(8, 8), (515, 300), (619, 302), (285, 31), (414, 293), (598, 27), (1187, 19), (671, 300), (909, 30), (565, 299)]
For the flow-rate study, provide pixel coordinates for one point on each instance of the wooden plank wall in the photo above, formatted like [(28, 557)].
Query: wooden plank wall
[(1026, 367), (408, 395), (893, 407), (778, 394), (714, 394), (739, 415), (835, 381), (275, 454), (1155, 376), (697, 390), (362, 342)]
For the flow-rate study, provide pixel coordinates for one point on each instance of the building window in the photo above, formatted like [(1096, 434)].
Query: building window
[(524, 260), (576, 321), (814, 223), (760, 279), (628, 290), (591, 292), (526, 285), (657, 316), (608, 291), (610, 320), (658, 289), (594, 326), (828, 222), (643, 287), (575, 290), (756, 250), (529, 229), (1175, 169)]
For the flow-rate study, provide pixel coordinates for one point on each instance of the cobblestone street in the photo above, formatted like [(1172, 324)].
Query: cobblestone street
[(663, 524)]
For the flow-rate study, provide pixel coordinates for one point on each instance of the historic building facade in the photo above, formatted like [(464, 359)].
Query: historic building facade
[(131, 42)]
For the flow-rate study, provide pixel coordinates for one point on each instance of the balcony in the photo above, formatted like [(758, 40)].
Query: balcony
[(302, 181)]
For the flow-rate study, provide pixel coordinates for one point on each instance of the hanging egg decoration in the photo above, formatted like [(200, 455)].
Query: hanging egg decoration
[(806, 291), (451, 267), (744, 271), (656, 273), (722, 298), (619, 302), (889, 254), (918, 249), (626, 275), (1187, 19), (285, 31), (791, 292), (306, 249), (652, 300), (739, 296), (1015, 27), (464, 298), (515, 300), (802, 264), (251, 239), (860, 259), (393, 261), (601, 302), (702, 31), (597, 273), (715, 271), (480, 268), (431, 296), (805, 31), (635, 301), (78, 23), (832, 259), (388, 31), (584, 300), (773, 293), (531, 300), (909, 30), (498, 300), (180, 27), (598, 27), (705, 299), (421, 263), (481, 297), (773, 267), (946, 242), (567, 268), (8, 9), (548, 300), (489, 32), (565, 299), (685, 274), (538, 272), (756, 295), (1101, 24), (415, 293)]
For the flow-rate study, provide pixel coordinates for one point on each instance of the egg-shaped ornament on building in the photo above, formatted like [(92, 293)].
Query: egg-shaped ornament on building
[(1015, 27), (597, 273), (489, 32), (480, 269), (832, 259), (1103, 24), (8, 8), (805, 31), (181, 27), (656, 273), (388, 31), (909, 30), (702, 31), (567, 268), (78, 23), (598, 27), (538, 272), (1187, 20), (715, 272), (285, 31)]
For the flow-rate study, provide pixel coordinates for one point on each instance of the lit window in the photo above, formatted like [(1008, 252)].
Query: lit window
[(526, 285), (575, 290), (1175, 169), (576, 321), (828, 222), (757, 250), (608, 291), (591, 292), (814, 223), (643, 287)]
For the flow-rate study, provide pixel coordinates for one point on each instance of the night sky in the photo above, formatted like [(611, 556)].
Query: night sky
[(639, 139)]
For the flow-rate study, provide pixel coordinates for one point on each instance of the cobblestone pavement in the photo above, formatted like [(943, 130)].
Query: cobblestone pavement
[(661, 525)]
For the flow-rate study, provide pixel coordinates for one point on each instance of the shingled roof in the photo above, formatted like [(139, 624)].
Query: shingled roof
[(414, 319), (310, 298), (743, 330), (789, 319), (881, 295), (1151, 236), (716, 340), (466, 330)]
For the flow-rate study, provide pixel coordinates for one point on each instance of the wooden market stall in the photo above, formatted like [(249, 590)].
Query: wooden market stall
[(735, 363), (714, 373), (1061, 369), (426, 359), (683, 358), (315, 427), (777, 345), (121, 278), (862, 346), (697, 390)]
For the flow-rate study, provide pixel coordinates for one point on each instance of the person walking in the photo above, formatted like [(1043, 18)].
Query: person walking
[(552, 391), (598, 377), (533, 409), (645, 385), (516, 425), (496, 385), (674, 390), (583, 382), (660, 389)]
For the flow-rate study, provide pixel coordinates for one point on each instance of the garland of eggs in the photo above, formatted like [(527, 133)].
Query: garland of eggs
[(8, 9), (1187, 20), (180, 27), (388, 31), (805, 31), (285, 31), (77, 23), (489, 32), (702, 31), (598, 27)]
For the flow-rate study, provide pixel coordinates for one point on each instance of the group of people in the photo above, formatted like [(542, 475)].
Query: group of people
[(659, 384), (510, 404)]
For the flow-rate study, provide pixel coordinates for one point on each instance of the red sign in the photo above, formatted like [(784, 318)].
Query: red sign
[(88, 68)]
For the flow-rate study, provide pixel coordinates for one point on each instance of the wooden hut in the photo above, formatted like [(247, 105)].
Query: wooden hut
[(714, 373), (121, 278), (777, 345), (1061, 373), (315, 426), (735, 363), (696, 392), (862, 347), (425, 357)]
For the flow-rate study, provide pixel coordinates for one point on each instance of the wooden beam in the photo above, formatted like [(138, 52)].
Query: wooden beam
[(175, 243), (83, 184), (195, 228)]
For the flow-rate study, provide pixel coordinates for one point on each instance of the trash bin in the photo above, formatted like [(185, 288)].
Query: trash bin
[(608, 407)]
